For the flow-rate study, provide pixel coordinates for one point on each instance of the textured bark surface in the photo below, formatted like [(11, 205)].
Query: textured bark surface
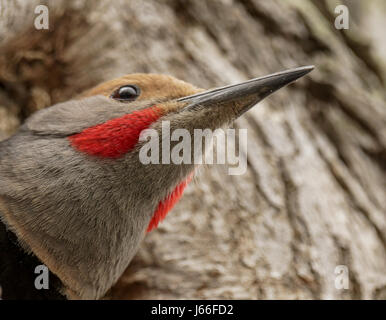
[(313, 196)]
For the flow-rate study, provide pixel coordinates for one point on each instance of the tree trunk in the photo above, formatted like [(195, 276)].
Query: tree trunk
[(313, 197)]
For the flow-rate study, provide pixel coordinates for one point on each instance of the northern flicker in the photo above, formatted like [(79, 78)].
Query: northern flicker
[(74, 195)]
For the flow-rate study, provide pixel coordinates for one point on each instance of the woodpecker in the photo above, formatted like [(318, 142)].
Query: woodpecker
[(74, 196)]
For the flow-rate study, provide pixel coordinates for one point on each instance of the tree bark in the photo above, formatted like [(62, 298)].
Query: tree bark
[(313, 197)]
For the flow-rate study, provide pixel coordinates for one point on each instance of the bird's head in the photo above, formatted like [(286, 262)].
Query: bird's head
[(74, 189)]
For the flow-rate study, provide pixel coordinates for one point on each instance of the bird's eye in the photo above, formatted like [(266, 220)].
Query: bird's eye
[(126, 93)]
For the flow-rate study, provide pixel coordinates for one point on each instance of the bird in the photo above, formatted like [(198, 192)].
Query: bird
[(74, 196)]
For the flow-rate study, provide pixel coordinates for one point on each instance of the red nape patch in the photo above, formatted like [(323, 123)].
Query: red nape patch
[(167, 204), (115, 137)]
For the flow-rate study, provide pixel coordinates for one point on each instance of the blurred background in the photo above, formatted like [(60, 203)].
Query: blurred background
[(313, 197)]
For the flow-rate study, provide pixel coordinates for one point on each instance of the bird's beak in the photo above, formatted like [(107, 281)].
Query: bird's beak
[(246, 94)]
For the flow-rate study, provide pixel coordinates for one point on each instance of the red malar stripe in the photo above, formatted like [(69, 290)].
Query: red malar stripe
[(115, 137)]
